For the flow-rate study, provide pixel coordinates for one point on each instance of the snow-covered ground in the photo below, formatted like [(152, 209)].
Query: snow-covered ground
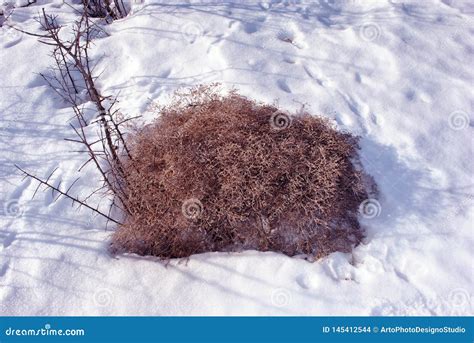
[(399, 74)]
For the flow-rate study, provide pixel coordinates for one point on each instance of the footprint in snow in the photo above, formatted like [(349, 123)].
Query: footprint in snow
[(360, 109), (8, 238), (3, 269), (283, 85), (320, 79), (358, 78), (338, 268), (253, 25), (10, 36), (306, 282)]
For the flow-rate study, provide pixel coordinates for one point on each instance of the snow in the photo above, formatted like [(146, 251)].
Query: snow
[(399, 74)]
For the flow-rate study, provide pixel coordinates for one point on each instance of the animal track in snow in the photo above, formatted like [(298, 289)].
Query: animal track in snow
[(283, 85), (306, 281), (364, 115), (7, 238), (338, 267), (253, 26), (289, 60), (4, 269), (320, 79), (11, 39)]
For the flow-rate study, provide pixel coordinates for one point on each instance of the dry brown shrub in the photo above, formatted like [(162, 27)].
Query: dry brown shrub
[(224, 173)]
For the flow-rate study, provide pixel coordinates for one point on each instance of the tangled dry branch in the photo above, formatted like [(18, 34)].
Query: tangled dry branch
[(73, 79), (224, 173)]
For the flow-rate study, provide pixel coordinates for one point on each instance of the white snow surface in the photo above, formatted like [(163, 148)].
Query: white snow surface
[(399, 74)]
